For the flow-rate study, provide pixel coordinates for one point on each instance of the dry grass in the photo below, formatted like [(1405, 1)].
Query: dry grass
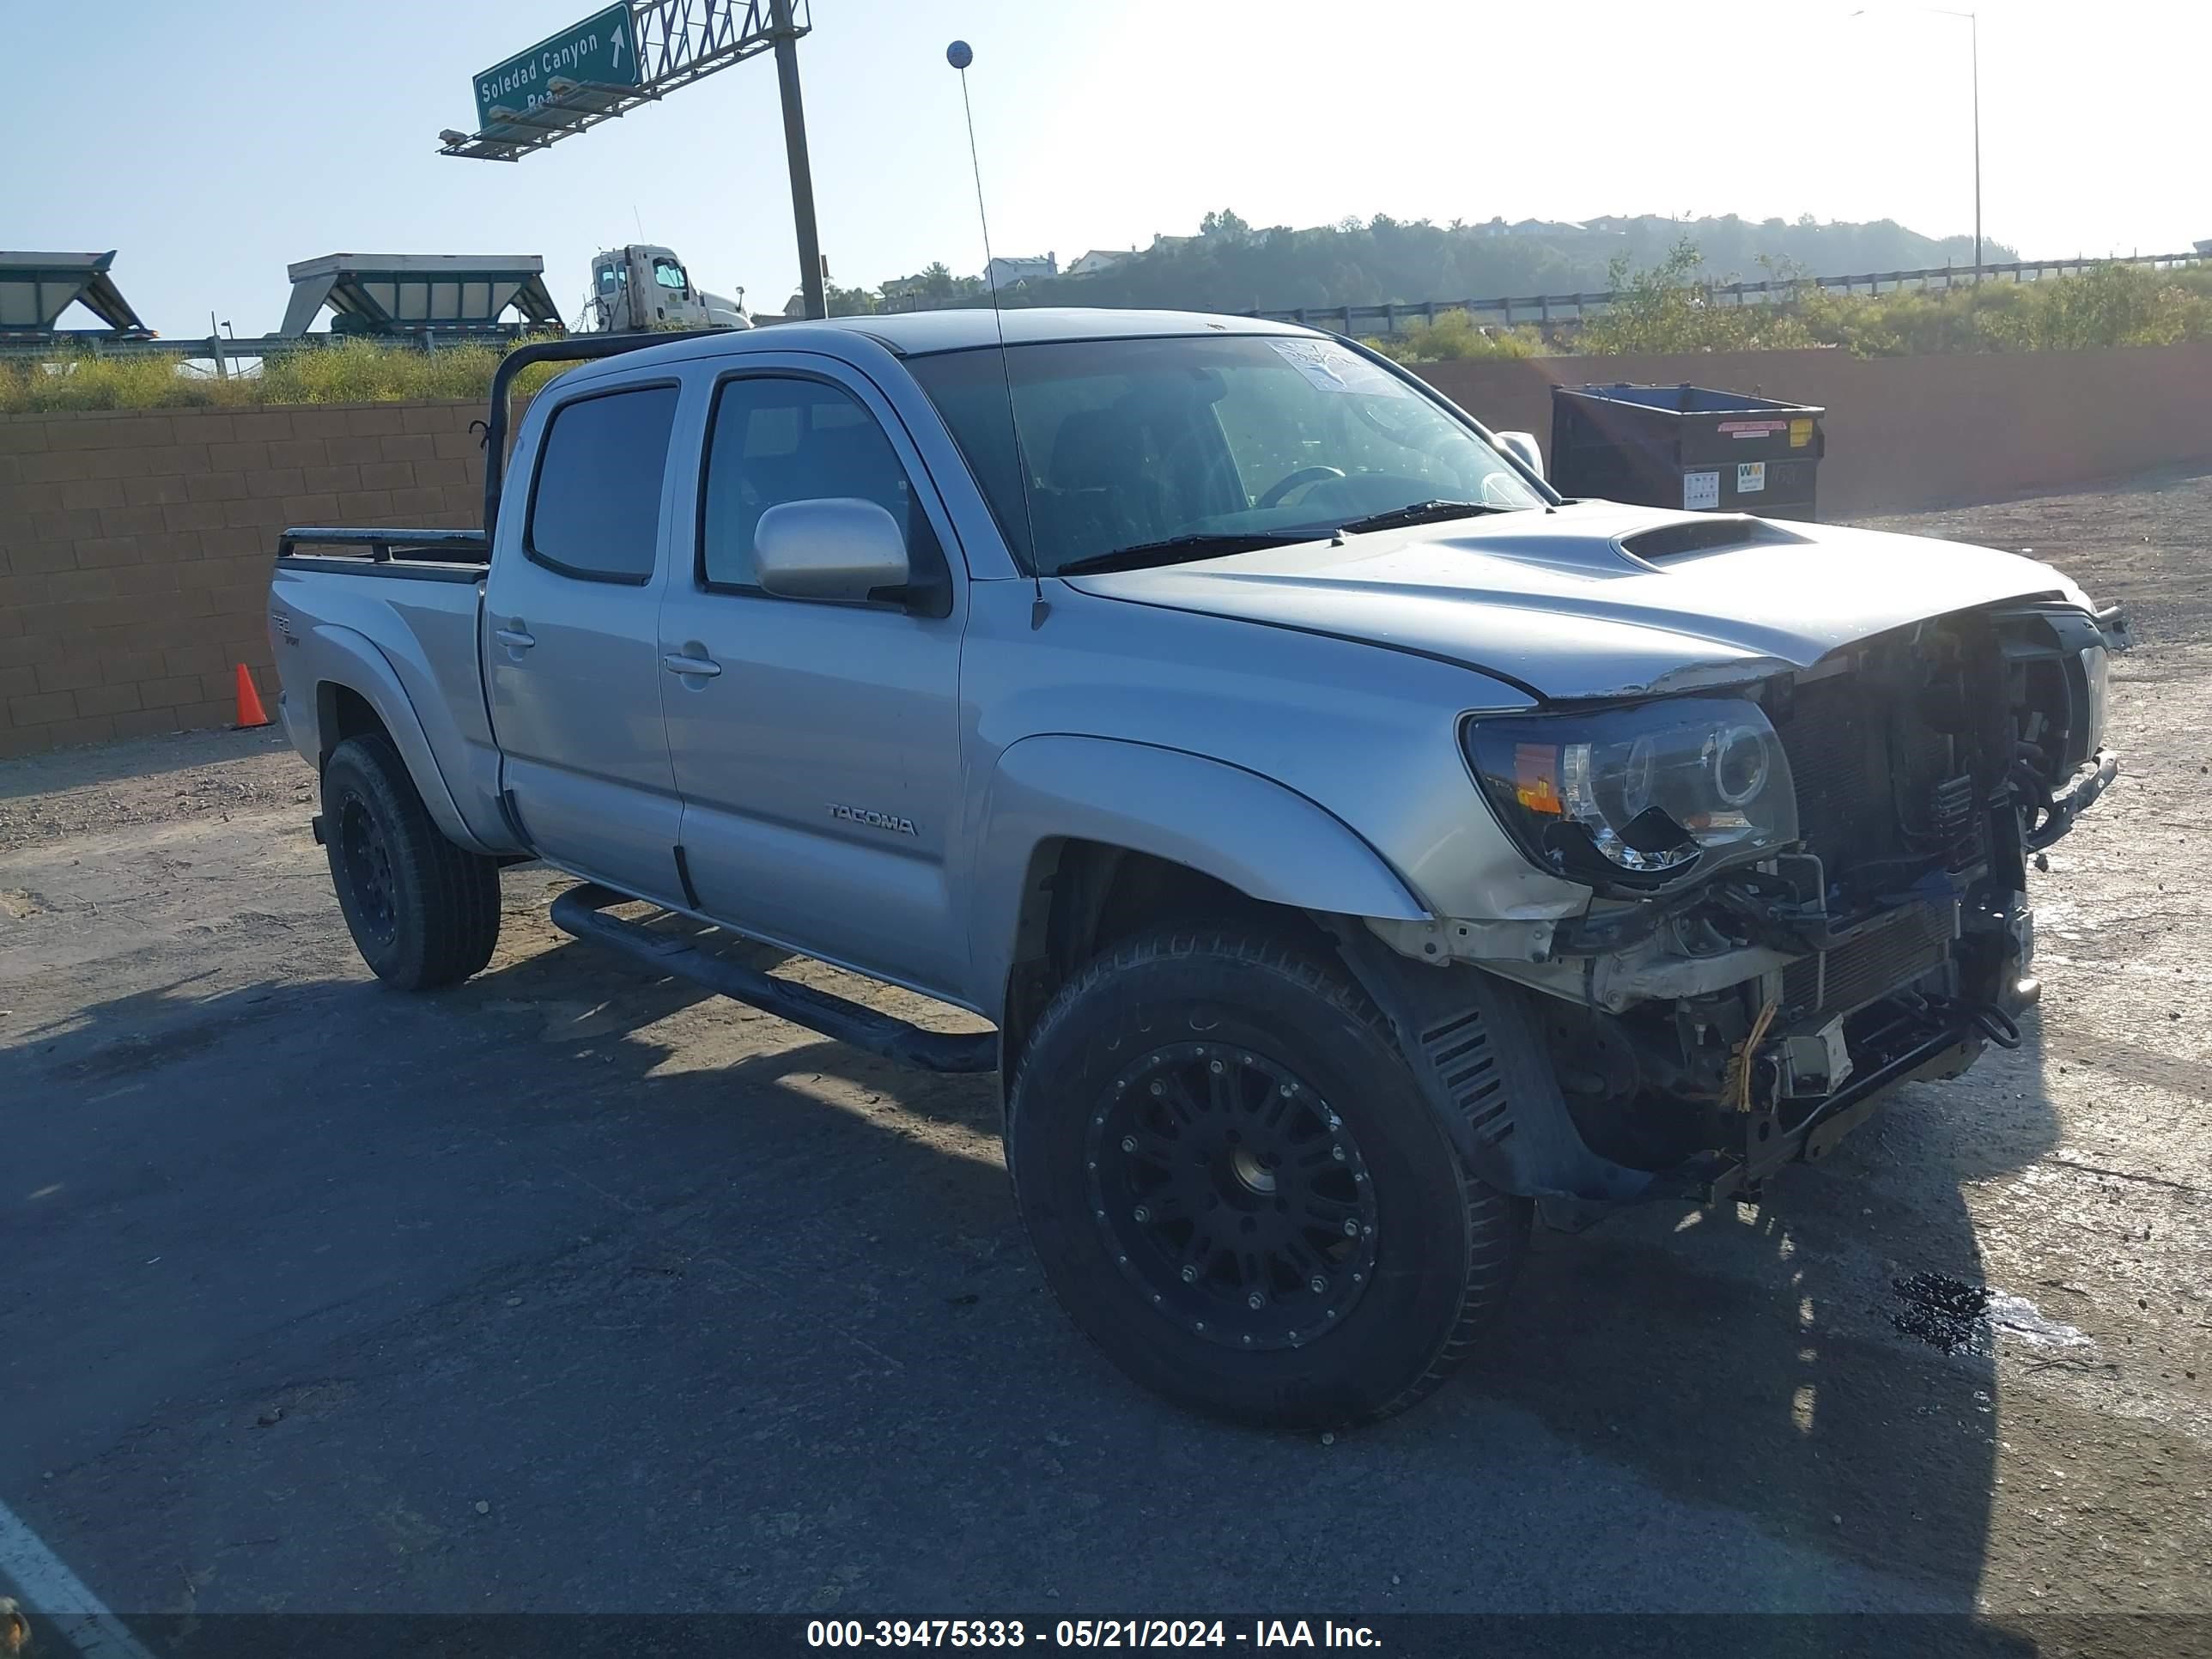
[(351, 372)]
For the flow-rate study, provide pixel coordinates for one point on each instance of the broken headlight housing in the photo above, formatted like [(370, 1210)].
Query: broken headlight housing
[(1637, 797)]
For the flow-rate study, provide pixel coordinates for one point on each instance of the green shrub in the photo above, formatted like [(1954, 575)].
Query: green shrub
[(1454, 336), (1664, 309)]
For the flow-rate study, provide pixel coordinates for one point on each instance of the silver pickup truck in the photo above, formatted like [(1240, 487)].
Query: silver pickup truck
[(1356, 849)]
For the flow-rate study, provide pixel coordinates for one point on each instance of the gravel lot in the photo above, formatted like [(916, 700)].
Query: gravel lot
[(574, 1290)]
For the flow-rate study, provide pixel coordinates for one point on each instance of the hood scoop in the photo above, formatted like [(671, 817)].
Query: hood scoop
[(1708, 533)]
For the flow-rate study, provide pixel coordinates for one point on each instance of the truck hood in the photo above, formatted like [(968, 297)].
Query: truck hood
[(1597, 600)]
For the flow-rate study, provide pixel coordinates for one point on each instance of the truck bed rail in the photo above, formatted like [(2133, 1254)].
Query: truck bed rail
[(451, 556)]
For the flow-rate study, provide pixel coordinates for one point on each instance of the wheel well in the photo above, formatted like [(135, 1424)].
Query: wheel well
[(1084, 896), (341, 713)]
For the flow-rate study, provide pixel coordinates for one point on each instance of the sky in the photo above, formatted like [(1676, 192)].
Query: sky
[(215, 142)]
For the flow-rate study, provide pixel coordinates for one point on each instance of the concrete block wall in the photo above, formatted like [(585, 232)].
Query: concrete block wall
[(135, 547)]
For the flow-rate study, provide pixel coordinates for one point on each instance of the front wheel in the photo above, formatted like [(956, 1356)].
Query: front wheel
[(422, 912), (1237, 1191)]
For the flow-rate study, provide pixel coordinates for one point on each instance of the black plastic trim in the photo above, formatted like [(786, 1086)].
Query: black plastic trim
[(1473, 1042)]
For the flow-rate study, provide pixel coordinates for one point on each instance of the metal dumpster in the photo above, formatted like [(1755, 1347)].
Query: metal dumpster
[(1687, 446)]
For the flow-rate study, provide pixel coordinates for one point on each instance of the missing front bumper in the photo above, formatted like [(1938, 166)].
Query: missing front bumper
[(1941, 1045)]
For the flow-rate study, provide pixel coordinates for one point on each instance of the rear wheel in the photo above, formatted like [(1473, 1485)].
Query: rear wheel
[(1237, 1191), (422, 912)]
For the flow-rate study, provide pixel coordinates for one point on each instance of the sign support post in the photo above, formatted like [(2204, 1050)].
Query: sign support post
[(802, 172)]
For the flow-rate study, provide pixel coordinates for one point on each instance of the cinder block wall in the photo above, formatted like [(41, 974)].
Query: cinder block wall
[(135, 547)]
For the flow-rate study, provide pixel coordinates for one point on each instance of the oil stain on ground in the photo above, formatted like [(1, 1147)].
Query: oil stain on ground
[(1950, 1314)]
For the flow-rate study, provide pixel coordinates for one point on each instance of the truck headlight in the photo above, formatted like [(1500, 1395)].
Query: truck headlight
[(1638, 796)]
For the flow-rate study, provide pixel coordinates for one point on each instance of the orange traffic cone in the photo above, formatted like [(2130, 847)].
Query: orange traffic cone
[(250, 712)]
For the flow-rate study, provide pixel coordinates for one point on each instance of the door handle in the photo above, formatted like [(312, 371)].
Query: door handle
[(704, 668), (513, 638)]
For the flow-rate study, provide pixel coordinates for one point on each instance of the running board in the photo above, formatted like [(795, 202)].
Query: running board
[(581, 911)]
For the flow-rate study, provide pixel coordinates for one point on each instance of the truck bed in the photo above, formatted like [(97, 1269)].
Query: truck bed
[(415, 627)]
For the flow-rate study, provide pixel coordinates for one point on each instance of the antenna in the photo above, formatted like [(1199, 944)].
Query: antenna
[(959, 54), (639, 219)]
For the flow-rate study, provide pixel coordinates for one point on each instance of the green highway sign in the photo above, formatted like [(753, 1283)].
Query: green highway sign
[(602, 51)]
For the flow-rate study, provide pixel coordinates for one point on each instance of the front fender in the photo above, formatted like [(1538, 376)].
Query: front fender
[(345, 657), (1264, 840)]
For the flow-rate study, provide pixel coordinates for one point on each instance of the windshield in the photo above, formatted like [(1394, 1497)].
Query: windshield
[(1130, 443)]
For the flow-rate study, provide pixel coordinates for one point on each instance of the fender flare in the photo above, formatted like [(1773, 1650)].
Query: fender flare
[(1259, 837), (349, 658)]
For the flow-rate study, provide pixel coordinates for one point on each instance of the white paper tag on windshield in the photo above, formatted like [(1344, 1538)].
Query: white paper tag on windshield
[(1700, 490), (1328, 366)]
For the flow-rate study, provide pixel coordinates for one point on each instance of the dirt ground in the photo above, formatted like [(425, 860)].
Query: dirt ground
[(571, 1289)]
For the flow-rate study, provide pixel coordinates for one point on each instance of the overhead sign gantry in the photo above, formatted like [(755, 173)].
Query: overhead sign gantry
[(638, 52)]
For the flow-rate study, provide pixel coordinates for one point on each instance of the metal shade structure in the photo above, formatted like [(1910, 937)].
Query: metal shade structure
[(548, 93), (35, 288), (408, 294)]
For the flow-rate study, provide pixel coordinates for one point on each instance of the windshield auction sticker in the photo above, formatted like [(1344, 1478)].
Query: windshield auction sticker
[(1330, 367)]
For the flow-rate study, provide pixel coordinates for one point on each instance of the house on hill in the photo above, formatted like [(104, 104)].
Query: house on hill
[(1008, 271), (1099, 260)]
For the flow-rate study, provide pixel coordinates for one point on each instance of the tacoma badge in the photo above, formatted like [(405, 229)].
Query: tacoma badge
[(897, 826)]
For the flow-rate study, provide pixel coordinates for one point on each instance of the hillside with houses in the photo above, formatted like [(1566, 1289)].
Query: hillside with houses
[(1229, 264)]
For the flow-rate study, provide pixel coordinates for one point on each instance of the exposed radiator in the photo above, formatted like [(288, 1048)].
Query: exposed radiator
[(1864, 969)]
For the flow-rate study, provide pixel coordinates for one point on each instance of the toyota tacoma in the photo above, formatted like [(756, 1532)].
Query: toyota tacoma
[(1356, 850)]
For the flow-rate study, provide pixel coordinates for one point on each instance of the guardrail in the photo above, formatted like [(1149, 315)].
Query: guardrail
[(1566, 310)]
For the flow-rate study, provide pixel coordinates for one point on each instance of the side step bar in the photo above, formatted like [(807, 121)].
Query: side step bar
[(582, 912)]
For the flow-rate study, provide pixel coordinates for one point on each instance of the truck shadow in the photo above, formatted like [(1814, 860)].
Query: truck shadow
[(1775, 1360), (569, 1182)]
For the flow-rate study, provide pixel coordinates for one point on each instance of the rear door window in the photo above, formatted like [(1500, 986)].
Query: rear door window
[(595, 504)]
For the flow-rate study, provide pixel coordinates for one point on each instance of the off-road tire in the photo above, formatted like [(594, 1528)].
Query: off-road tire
[(1447, 1247), (422, 912)]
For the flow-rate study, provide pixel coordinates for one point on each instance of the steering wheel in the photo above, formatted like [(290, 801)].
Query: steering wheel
[(1298, 480)]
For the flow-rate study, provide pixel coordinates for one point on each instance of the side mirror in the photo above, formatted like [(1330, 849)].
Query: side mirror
[(837, 547), (1522, 446)]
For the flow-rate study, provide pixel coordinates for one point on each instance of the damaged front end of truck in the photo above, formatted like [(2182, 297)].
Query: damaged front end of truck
[(1806, 891)]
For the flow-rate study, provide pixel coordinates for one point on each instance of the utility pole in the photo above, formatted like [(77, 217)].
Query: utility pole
[(1974, 59), (1974, 47), (802, 174)]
